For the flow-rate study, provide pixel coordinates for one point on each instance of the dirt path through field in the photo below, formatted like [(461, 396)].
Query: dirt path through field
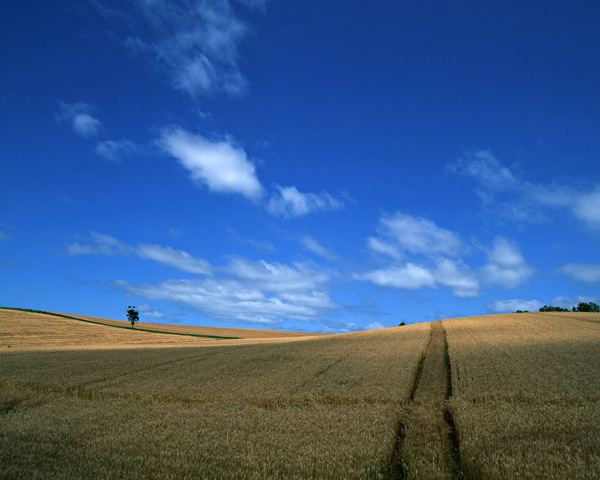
[(427, 445)]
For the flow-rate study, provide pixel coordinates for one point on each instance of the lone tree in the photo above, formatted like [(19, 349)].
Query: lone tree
[(132, 315)]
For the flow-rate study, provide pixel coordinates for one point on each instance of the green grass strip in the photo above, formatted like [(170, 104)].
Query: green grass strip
[(118, 326)]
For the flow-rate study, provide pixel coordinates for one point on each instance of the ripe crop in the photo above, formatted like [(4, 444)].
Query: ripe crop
[(503, 396)]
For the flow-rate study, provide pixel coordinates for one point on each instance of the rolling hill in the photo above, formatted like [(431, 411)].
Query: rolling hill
[(500, 396)]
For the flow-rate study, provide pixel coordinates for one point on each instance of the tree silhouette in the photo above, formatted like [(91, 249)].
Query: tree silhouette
[(132, 315)]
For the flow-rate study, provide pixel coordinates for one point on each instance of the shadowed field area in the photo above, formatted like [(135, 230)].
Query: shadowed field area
[(504, 396)]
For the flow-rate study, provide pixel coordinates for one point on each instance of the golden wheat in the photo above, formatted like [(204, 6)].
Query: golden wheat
[(80, 400), (320, 407), (21, 330), (526, 394)]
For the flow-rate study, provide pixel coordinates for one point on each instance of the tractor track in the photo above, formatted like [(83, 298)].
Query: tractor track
[(426, 443)]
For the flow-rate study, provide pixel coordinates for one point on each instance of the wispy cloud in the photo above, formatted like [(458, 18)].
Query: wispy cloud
[(219, 165), (424, 255), (116, 150), (586, 207), (416, 235), (506, 265), (250, 292), (458, 277), (299, 281), (175, 258), (408, 277), (567, 302), (149, 312), (196, 42), (333, 326), (375, 326), (3, 235), (225, 300), (101, 244), (79, 116), (243, 291), (487, 170), (289, 202), (582, 272), (315, 247), (523, 200), (512, 305)]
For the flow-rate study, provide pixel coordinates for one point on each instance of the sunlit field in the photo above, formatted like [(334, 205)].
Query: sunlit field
[(526, 394), (504, 396)]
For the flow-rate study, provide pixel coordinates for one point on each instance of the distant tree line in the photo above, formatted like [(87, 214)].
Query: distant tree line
[(581, 307)]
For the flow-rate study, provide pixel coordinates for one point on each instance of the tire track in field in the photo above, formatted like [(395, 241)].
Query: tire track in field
[(426, 442)]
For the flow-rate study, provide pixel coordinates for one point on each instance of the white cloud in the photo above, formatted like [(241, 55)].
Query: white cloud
[(416, 235), (447, 273), (225, 300), (314, 246), (195, 42), (148, 312), (384, 247), (100, 244), (339, 327), (505, 254), (582, 272), (587, 207), (217, 164), (507, 306), (79, 116), (506, 265), (458, 277), (563, 301), (408, 277), (289, 202), (256, 292), (278, 277), (374, 326), (4, 236), (523, 200), (176, 258), (115, 150), (586, 299), (424, 255), (486, 170), (244, 291)]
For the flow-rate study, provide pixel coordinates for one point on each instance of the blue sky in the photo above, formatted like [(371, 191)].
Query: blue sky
[(315, 166)]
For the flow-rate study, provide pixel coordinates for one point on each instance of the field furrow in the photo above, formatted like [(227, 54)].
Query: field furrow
[(427, 444)]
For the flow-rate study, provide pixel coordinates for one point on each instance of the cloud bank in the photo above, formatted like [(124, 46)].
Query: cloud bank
[(423, 255), (244, 291)]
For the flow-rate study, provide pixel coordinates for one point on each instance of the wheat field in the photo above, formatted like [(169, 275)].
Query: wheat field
[(526, 394), (503, 396)]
